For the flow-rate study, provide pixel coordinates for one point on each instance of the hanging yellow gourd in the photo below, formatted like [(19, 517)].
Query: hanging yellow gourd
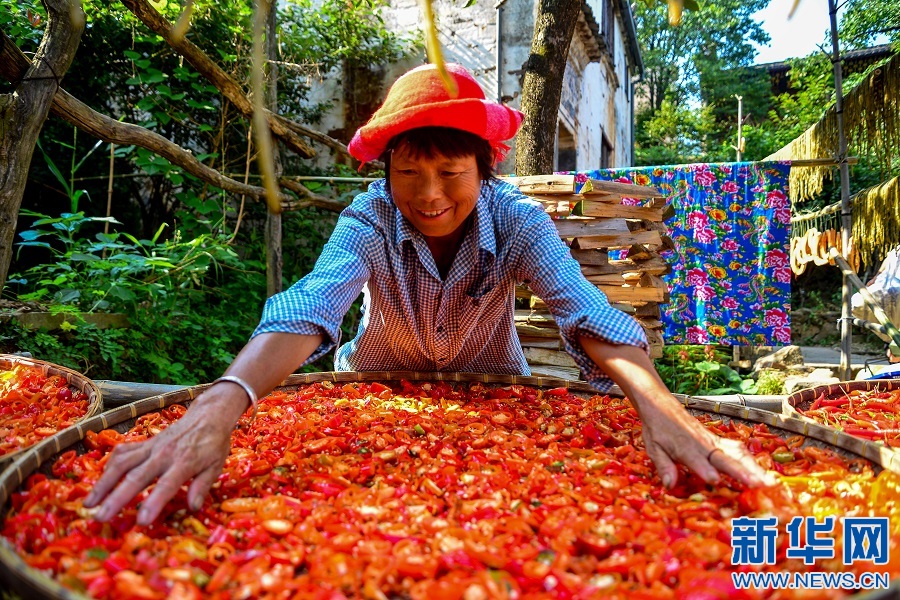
[(433, 48), (180, 29), (676, 8)]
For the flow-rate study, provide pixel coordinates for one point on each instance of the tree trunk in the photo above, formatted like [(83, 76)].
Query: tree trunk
[(542, 88), (22, 113)]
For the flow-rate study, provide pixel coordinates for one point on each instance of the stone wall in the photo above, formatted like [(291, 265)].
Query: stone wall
[(596, 95)]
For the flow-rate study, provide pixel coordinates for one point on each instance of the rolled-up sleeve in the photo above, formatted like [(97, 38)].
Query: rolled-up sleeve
[(318, 302), (578, 307)]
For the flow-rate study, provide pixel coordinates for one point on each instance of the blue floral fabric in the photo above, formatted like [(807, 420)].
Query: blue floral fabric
[(731, 276)]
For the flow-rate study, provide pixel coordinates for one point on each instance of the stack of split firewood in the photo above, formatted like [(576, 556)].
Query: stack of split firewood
[(592, 222)]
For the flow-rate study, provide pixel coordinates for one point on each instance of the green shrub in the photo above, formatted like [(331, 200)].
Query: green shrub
[(771, 382), (701, 370), (192, 302)]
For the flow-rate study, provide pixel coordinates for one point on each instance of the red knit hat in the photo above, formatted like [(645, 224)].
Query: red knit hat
[(419, 99)]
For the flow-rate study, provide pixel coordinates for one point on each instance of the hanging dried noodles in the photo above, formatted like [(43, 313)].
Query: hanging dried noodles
[(871, 123)]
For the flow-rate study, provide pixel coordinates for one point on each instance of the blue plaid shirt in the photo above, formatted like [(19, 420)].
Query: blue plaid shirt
[(415, 320)]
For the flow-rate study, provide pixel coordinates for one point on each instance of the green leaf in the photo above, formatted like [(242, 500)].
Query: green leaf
[(731, 375), (75, 197), (748, 386), (36, 245), (200, 105), (685, 387), (67, 296), (146, 103), (80, 256), (53, 169), (85, 157), (154, 76), (691, 4), (706, 366), (122, 293), (159, 262), (32, 234), (158, 232)]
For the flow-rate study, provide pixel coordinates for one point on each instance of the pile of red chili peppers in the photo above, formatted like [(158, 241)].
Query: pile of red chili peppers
[(429, 491), (870, 414), (34, 406)]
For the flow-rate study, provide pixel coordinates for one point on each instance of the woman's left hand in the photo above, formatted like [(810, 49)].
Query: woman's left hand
[(671, 434)]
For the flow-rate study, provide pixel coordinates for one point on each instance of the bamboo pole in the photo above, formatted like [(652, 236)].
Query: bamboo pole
[(821, 162), (868, 298), (846, 206)]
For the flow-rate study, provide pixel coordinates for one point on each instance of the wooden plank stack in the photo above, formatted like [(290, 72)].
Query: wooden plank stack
[(592, 222)]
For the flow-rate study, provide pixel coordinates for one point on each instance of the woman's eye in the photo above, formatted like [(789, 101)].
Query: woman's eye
[(450, 174), (406, 172)]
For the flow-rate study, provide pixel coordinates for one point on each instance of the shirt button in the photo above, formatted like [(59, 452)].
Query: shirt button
[(440, 329)]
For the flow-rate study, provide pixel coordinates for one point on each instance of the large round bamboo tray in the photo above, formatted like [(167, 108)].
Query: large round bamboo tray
[(33, 584), (803, 399), (74, 379)]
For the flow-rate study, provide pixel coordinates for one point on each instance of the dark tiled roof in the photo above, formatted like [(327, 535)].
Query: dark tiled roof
[(852, 61)]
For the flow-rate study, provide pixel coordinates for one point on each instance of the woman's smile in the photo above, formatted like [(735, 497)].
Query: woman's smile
[(432, 214)]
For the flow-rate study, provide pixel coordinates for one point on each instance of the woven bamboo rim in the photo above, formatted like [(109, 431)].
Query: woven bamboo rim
[(808, 396), (73, 378), (40, 585)]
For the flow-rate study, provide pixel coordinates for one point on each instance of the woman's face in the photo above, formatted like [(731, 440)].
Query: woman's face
[(436, 194)]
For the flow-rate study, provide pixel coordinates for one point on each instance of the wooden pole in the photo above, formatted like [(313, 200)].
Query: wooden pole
[(274, 259), (850, 275), (846, 206), (109, 187), (740, 125)]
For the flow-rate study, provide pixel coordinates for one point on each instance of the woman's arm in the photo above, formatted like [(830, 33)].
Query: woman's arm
[(297, 325), (670, 433), (196, 446), (610, 347)]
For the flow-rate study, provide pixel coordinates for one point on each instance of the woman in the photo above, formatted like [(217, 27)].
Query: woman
[(437, 248)]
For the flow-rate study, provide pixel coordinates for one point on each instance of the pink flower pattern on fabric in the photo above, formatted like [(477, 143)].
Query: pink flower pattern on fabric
[(730, 281)]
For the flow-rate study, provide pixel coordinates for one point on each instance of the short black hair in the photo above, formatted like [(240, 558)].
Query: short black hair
[(446, 141)]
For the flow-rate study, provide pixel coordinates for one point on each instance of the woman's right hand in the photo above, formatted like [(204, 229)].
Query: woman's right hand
[(193, 448)]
